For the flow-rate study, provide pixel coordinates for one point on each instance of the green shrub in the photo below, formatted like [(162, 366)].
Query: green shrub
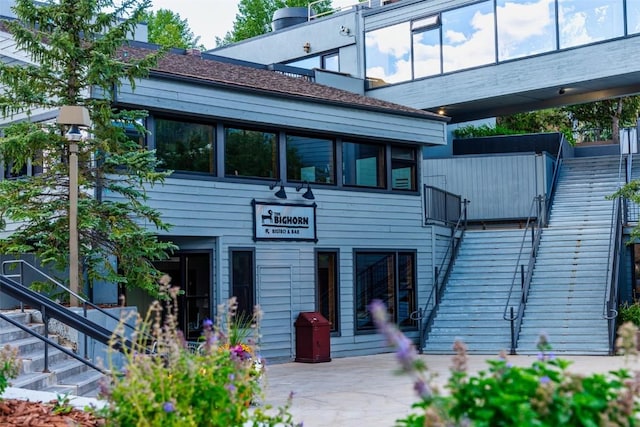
[(544, 394), (483, 131), (629, 313), (10, 365), (178, 385)]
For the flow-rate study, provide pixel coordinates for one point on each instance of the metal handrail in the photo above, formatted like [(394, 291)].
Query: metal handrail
[(85, 303), (311, 15), (457, 234), (610, 300), (533, 225), (554, 180)]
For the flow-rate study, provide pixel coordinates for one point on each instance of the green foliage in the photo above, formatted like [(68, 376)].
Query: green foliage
[(254, 17), (544, 394), (484, 130), (62, 404), (74, 48), (10, 365), (629, 313), (167, 29), (549, 120), (608, 115), (179, 387)]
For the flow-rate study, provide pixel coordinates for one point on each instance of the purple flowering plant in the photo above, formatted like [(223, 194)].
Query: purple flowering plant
[(543, 394), (177, 384)]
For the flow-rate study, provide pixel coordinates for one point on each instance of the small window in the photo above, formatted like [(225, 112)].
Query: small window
[(331, 62), (310, 159), (363, 165), (250, 153), (183, 146), (243, 280), (403, 168)]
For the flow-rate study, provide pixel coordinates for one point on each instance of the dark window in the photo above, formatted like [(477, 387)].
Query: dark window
[(183, 146), (363, 165), (310, 159), (403, 168), (389, 277), (327, 286), (243, 280), (250, 153)]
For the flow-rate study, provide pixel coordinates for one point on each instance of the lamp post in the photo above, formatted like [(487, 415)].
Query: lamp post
[(73, 116)]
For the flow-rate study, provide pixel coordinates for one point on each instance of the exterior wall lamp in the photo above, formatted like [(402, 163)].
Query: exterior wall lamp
[(307, 194), (73, 117), (306, 47), (281, 193)]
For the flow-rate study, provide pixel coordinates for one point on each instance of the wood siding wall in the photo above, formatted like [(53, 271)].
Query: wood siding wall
[(346, 220), (500, 187)]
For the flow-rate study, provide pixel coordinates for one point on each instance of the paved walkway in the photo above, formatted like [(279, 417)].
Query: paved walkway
[(365, 391), (359, 391)]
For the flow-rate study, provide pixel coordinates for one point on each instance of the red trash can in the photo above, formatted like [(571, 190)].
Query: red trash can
[(313, 344)]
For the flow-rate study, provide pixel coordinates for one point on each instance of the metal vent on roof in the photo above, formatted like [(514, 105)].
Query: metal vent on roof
[(288, 16)]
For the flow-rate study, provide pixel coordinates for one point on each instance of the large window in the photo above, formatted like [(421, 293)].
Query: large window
[(388, 53), (250, 153), (388, 276), (327, 286), (586, 21), (525, 27), (310, 159), (633, 16), (363, 165), (184, 146), (468, 37)]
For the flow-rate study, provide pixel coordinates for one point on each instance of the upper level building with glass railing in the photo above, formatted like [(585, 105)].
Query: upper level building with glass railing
[(467, 59)]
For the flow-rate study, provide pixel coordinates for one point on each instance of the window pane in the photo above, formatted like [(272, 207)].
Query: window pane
[(426, 53), (308, 63), (374, 280), (468, 37), (183, 146), (406, 289), (388, 54), (633, 16), (327, 287), (250, 153), (363, 165), (525, 27), (310, 159), (403, 168), (331, 62), (582, 22)]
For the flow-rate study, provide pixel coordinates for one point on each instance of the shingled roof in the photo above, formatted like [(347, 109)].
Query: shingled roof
[(195, 66)]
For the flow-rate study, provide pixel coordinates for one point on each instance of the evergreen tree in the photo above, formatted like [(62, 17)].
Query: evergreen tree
[(73, 46), (254, 17)]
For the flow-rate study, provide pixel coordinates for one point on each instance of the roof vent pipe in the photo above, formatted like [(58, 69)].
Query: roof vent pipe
[(288, 16)]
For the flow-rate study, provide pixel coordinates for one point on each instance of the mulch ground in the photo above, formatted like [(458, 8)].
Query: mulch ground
[(14, 413)]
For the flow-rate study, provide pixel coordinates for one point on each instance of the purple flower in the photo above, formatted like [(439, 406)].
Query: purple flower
[(168, 407), (207, 323), (230, 387), (545, 380), (422, 389)]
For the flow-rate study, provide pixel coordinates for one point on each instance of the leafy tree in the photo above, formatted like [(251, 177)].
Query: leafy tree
[(548, 120), (167, 29), (607, 116), (254, 17), (74, 44)]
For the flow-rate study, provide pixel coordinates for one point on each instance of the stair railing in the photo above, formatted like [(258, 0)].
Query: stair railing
[(513, 312), (554, 180), (610, 300), (425, 316), (610, 304), (50, 309)]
